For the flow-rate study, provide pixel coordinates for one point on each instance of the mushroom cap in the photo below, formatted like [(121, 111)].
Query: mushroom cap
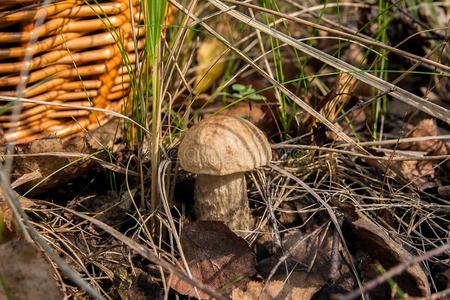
[(223, 145)]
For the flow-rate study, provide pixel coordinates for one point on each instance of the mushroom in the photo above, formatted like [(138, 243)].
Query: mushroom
[(220, 149)]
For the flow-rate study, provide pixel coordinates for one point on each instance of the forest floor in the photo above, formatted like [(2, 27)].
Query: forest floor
[(353, 97)]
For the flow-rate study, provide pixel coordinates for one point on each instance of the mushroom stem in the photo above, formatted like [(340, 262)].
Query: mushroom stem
[(224, 198)]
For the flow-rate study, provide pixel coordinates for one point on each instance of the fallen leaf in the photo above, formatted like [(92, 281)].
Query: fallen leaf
[(110, 207), (310, 256), (107, 135), (299, 285), (216, 257), (422, 173), (211, 57), (313, 251), (9, 230), (443, 279), (247, 110), (383, 249), (58, 169), (426, 127), (435, 16), (342, 92), (25, 178), (25, 275)]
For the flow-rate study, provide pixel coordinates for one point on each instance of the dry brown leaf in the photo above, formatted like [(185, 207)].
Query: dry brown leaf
[(9, 230), (25, 275), (211, 64), (426, 127), (345, 85), (110, 207), (247, 110), (443, 278), (299, 285), (310, 249), (107, 135), (342, 92), (383, 249), (47, 165), (444, 191), (8, 227), (422, 173), (310, 255), (216, 257), (25, 178)]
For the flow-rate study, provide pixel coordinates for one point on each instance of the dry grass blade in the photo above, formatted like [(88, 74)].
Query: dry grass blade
[(393, 157), (396, 92), (401, 141)]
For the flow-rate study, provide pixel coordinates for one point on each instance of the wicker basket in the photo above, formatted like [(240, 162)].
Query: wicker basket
[(76, 60)]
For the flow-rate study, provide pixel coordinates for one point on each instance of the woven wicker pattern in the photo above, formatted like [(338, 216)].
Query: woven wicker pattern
[(77, 60)]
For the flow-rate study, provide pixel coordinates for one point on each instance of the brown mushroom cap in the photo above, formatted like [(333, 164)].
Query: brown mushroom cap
[(222, 145)]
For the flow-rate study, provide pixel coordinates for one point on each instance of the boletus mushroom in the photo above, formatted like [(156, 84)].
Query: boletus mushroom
[(220, 149)]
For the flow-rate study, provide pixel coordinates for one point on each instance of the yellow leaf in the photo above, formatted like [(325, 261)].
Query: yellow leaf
[(211, 64)]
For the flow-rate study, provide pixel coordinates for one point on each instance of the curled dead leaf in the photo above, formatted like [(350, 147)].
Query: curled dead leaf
[(421, 173), (342, 92), (383, 249)]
